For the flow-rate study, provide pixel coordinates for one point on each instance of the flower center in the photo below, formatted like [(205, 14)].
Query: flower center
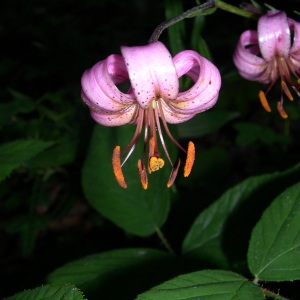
[(283, 67), (150, 119)]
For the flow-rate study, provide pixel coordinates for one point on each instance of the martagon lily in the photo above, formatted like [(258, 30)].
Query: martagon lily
[(271, 52), (152, 101)]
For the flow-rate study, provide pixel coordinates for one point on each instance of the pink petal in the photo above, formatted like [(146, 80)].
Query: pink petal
[(151, 71), (274, 35), (128, 116), (246, 58), (205, 91), (295, 50), (99, 90)]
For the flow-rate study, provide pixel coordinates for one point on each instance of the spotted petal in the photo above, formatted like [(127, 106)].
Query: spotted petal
[(151, 71), (202, 95), (274, 35), (109, 106)]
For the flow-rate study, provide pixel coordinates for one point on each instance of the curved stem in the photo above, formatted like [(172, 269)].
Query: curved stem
[(273, 295), (164, 241), (189, 13)]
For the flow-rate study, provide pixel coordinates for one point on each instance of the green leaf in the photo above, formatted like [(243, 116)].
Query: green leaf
[(55, 292), (130, 270), (207, 284), (63, 152), (274, 250), (14, 154), (28, 227), (19, 104), (248, 133), (205, 237), (134, 209), (203, 124), (176, 32)]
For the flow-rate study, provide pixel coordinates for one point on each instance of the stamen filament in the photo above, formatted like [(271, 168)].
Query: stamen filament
[(136, 135), (173, 174), (281, 110), (161, 136), (286, 90), (143, 174), (264, 101), (162, 116), (116, 162), (190, 158)]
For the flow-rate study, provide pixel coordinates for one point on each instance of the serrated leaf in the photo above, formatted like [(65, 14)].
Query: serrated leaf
[(57, 292), (203, 124), (134, 209), (207, 284), (274, 250), (126, 269), (204, 239), (14, 154)]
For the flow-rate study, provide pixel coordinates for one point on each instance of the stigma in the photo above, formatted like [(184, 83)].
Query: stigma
[(151, 122)]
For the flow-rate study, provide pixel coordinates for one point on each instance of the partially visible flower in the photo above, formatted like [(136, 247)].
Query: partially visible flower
[(152, 101), (271, 52)]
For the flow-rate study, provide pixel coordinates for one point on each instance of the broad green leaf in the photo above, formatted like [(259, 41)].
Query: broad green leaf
[(14, 154), (117, 272), (205, 237), (207, 284), (134, 209), (63, 152), (55, 292), (274, 250), (203, 124)]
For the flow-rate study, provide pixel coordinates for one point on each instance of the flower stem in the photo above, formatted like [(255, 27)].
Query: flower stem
[(197, 10), (275, 296), (187, 14), (235, 10), (164, 240)]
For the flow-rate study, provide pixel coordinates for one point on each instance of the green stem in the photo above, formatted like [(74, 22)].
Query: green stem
[(164, 240), (273, 295), (235, 10), (187, 14)]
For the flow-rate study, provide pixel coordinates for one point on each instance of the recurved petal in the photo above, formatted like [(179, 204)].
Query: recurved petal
[(151, 71), (126, 116), (274, 35), (99, 85), (295, 27), (246, 58), (173, 115), (207, 82)]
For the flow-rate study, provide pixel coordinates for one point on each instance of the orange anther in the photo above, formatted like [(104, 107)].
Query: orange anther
[(286, 90), (155, 163), (143, 174), (264, 101), (173, 174), (190, 158), (116, 162), (281, 110)]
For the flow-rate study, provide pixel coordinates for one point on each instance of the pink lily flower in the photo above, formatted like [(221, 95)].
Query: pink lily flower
[(152, 101), (271, 52)]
